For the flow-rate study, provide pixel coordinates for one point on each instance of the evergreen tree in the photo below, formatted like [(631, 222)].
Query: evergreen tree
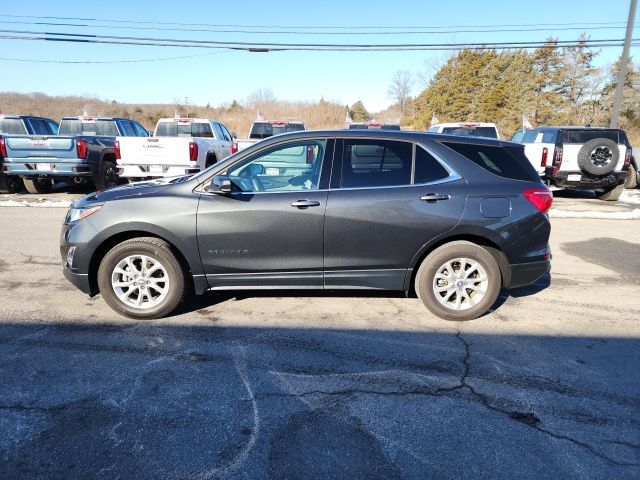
[(358, 113)]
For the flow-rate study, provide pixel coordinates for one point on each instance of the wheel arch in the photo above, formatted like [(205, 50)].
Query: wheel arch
[(492, 247), (113, 240)]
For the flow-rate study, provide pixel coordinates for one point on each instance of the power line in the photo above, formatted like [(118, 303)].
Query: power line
[(308, 27), (88, 62), (306, 32), (274, 46)]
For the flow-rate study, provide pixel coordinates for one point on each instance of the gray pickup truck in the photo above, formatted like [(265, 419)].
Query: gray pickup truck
[(83, 149)]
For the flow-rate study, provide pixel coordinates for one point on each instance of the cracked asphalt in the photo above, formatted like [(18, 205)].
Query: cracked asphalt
[(311, 386)]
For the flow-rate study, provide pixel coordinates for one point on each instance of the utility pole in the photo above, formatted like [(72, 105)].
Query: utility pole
[(622, 72)]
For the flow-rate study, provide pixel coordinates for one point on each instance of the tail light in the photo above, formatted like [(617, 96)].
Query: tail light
[(557, 159), (234, 147), (116, 150), (82, 149), (3, 148), (543, 160), (193, 151), (625, 165), (541, 198)]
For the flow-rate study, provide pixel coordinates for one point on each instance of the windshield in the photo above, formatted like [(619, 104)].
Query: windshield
[(76, 126)]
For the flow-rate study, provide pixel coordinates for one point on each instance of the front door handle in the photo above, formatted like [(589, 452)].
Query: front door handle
[(305, 203), (434, 197)]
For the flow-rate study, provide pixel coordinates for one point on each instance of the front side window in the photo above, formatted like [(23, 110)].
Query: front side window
[(293, 167), (376, 163)]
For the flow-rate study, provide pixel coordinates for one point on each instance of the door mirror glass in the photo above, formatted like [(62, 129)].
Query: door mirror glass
[(220, 184)]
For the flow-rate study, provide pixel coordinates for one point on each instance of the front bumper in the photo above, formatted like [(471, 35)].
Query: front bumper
[(583, 180), (522, 274), (52, 168), (80, 280)]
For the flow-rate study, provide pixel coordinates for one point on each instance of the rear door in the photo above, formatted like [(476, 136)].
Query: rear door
[(382, 209)]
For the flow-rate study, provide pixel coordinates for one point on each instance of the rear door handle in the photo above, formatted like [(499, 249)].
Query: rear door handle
[(434, 197), (305, 203)]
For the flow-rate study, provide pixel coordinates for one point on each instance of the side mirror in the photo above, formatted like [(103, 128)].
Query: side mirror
[(234, 135), (220, 184)]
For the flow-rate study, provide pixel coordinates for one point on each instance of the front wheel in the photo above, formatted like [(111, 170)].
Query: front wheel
[(141, 278), (458, 281)]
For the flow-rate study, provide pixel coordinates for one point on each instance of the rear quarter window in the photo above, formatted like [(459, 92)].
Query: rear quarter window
[(506, 162)]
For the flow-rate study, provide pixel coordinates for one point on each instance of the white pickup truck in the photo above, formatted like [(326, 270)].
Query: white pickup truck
[(179, 146), (579, 157), (267, 128)]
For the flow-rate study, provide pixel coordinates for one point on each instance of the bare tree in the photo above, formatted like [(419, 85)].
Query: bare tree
[(400, 89), (261, 97)]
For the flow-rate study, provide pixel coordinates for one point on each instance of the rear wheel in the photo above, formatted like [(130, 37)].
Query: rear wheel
[(141, 278), (632, 179), (458, 281), (107, 176), (14, 184), (38, 185), (612, 194)]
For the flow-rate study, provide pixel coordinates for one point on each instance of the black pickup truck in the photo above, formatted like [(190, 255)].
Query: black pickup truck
[(82, 149)]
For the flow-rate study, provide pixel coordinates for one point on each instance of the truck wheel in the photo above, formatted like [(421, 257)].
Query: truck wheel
[(632, 179), (38, 185), (458, 281), (611, 195), (210, 160), (598, 156), (141, 278), (14, 184), (107, 176)]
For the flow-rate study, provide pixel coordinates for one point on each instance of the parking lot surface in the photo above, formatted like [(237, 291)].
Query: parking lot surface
[(303, 385)]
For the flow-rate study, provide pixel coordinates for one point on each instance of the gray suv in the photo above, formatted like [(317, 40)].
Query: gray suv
[(453, 219)]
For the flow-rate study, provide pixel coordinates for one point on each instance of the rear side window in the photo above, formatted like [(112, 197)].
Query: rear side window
[(376, 163), (509, 162), (582, 136), (12, 126), (428, 169)]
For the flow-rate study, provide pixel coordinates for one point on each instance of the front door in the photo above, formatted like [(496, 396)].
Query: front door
[(269, 230)]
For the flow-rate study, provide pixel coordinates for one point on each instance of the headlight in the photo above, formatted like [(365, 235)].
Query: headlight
[(75, 214)]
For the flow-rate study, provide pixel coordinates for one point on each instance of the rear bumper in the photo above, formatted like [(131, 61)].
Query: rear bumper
[(522, 274), (54, 168), (155, 171), (584, 180)]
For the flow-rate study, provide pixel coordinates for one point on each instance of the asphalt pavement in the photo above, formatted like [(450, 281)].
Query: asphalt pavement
[(302, 385)]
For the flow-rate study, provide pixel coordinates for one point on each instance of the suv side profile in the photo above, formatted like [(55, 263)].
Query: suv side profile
[(454, 219), (580, 157)]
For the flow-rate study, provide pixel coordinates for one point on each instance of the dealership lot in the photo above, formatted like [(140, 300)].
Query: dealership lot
[(302, 386)]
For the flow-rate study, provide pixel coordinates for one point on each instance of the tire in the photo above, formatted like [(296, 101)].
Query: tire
[(210, 160), (599, 156), (38, 185), (14, 184), (478, 261), (107, 176), (613, 194), (632, 179), (154, 303)]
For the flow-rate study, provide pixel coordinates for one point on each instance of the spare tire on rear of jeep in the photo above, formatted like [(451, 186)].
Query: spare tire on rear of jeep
[(599, 156)]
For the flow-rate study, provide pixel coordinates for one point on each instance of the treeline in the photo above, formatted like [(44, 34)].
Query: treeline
[(549, 86), (236, 116)]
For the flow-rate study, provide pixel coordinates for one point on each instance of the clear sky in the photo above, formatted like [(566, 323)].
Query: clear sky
[(219, 76)]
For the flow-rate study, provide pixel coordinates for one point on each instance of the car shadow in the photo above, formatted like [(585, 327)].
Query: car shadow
[(194, 303)]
